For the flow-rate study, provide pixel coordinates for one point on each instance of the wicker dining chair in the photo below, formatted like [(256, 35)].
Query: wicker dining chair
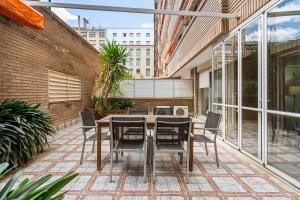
[(173, 141), (212, 124), (122, 139), (87, 121)]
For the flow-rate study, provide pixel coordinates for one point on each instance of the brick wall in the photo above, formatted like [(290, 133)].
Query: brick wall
[(26, 55)]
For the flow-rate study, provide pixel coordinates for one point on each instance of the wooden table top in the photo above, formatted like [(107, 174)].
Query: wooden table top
[(149, 118)]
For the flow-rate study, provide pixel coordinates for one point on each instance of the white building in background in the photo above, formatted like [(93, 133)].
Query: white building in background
[(140, 45), (95, 36)]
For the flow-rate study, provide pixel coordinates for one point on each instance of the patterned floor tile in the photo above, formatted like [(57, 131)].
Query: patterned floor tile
[(167, 184), (198, 184), (276, 198), (240, 198), (213, 169), (135, 183), (102, 183), (37, 167), (239, 169), (134, 198), (63, 167), (54, 156), (205, 198), (93, 197), (228, 184), (169, 198), (79, 183), (259, 184), (87, 168), (75, 156)]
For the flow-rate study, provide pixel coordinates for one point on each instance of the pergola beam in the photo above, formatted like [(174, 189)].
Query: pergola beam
[(133, 10)]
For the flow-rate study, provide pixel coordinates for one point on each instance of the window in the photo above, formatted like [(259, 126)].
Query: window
[(148, 42), (138, 71), (148, 72), (131, 52), (101, 42), (130, 71), (130, 61), (102, 34), (147, 52), (124, 42), (138, 34), (131, 35), (131, 42), (147, 34), (138, 42), (92, 34), (138, 62), (92, 41), (63, 87), (138, 52), (217, 75), (114, 34), (147, 61), (124, 34)]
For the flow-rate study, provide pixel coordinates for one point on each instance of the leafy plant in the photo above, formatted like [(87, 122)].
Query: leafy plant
[(126, 103), (24, 129), (112, 70), (38, 189)]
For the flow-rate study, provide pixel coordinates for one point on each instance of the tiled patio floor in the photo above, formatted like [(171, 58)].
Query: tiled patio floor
[(235, 179)]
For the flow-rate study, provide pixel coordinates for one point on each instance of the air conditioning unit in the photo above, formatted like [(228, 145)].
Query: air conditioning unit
[(182, 111)]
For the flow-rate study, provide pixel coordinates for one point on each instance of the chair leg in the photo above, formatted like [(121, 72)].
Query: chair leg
[(216, 152), (206, 148), (187, 167), (82, 152), (145, 162), (93, 148), (153, 170), (181, 158), (111, 165)]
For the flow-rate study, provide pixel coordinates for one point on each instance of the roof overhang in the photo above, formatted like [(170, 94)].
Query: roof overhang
[(133, 10)]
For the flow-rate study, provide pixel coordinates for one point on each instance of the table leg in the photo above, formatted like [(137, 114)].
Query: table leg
[(191, 157), (98, 147)]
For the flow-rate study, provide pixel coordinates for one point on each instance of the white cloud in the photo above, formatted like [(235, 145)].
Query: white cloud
[(147, 25), (291, 6), (282, 34), (64, 14)]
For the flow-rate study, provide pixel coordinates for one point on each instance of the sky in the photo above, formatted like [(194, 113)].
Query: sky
[(105, 19)]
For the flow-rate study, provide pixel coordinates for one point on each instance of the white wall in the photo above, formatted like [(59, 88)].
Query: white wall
[(119, 39)]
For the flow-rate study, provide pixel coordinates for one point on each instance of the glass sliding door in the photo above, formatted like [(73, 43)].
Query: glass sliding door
[(231, 90), (217, 78), (251, 141), (283, 84)]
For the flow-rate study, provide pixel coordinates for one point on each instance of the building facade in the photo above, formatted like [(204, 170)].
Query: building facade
[(95, 36), (247, 68), (140, 46)]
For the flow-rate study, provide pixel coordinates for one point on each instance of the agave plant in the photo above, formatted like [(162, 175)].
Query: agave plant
[(24, 129), (112, 70), (38, 189)]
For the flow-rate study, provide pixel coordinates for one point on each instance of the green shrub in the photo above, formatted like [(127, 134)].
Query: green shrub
[(126, 103), (24, 129), (38, 189)]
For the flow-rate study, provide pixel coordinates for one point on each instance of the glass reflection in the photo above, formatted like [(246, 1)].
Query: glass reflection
[(284, 144), (217, 75), (231, 71), (231, 125)]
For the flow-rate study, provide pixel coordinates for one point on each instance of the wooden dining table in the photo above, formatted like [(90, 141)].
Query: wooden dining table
[(150, 120)]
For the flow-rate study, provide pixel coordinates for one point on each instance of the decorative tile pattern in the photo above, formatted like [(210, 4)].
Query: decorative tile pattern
[(235, 179)]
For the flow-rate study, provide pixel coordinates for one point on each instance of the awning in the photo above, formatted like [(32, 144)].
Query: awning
[(22, 14)]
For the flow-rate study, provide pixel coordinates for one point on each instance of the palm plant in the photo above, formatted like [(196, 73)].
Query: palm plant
[(38, 189), (24, 129), (112, 70)]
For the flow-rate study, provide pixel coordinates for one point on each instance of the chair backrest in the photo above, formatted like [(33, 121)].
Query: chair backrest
[(172, 130), (87, 118), (131, 129), (162, 111), (213, 121), (137, 111)]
